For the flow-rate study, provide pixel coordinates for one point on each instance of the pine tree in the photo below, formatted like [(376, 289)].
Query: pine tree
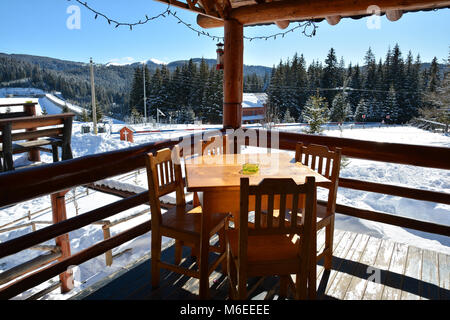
[(315, 113), (440, 99), (391, 108), (330, 75), (354, 95), (433, 81), (84, 116), (361, 111), (340, 109), (287, 117), (186, 116)]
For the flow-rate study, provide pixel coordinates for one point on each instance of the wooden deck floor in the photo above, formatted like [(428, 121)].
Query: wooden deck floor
[(364, 267)]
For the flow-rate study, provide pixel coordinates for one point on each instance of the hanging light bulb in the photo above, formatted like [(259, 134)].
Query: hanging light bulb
[(220, 53)]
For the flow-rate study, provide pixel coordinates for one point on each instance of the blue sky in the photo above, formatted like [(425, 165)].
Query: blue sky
[(38, 27)]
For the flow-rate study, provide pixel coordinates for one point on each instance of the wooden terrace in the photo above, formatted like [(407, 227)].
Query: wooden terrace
[(406, 273)]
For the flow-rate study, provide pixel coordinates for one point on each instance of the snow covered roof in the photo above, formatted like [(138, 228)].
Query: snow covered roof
[(254, 100), (128, 127), (257, 117)]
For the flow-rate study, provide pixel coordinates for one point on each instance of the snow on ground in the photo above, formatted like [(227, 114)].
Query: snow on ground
[(94, 270)]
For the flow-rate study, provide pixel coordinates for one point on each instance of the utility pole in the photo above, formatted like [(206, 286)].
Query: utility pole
[(94, 109), (145, 96)]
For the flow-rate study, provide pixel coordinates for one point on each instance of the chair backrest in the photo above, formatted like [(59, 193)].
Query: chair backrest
[(325, 162), (216, 145), (269, 224), (164, 176)]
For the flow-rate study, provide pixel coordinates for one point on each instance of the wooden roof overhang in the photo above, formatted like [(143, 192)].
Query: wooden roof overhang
[(233, 15), (212, 13)]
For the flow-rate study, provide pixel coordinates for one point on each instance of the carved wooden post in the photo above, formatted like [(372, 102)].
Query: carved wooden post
[(30, 110), (59, 214), (106, 236), (233, 74)]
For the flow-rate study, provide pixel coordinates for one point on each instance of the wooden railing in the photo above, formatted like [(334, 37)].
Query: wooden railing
[(30, 183), (26, 184), (417, 155)]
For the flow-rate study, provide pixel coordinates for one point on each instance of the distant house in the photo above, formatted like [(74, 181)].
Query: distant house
[(126, 134), (254, 106)]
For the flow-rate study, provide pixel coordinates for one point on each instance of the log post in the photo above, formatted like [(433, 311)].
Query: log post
[(106, 236), (63, 242), (30, 110), (233, 74)]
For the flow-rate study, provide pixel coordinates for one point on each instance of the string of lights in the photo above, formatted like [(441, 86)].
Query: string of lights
[(308, 27)]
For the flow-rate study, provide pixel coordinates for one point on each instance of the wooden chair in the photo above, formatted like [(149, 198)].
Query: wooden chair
[(215, 145), (273, 245), (327, 163), (183, 222), (42, 127)]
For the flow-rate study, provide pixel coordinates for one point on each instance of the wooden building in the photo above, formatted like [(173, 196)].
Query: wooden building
[(254, 107)]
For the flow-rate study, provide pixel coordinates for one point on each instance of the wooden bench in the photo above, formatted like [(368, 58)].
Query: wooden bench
[(29, 109), (36, 137)]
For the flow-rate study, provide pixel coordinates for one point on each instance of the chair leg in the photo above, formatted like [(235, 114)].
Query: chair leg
[(156, 257), (242, 285), (329, 232), (55, 153), (196, 200), (312, 282), (301, 290)]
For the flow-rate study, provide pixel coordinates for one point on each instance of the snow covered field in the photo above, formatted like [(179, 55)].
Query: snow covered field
[(95, 269)]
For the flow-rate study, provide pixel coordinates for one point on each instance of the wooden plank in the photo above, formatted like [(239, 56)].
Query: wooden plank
[(417, 155), (338, 235), (374, 289), (68, 174), (36, 278), (17, 104), (306, 10), (394, 220), (342, 250), (21, 243), (357, 286), (54, 132), (430, 275), (411, 193), (12, 115), (393, 283), (341, 282), (411, 281), (31, 265), (444, 276)]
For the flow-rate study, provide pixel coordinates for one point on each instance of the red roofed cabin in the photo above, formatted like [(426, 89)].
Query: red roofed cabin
[(126, 134)]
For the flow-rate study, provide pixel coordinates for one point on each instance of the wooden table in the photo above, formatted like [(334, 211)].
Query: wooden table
[(217, 181)]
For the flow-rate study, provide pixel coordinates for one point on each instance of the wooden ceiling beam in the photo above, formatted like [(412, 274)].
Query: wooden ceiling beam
[(191, 7), (312, 9)]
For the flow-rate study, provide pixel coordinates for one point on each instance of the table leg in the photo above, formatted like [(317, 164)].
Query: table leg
[(204, 248)]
